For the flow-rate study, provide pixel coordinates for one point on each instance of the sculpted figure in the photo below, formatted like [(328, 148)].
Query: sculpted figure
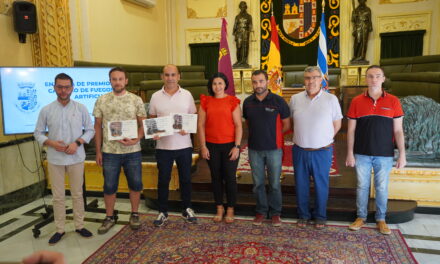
[(361, 19), (241, 32), (422, 126)]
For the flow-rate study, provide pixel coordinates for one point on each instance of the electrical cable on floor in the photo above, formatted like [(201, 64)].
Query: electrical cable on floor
[(37, 170)]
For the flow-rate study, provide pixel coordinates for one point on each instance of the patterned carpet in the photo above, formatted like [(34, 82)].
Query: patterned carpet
[(241, 242), (287, 168)]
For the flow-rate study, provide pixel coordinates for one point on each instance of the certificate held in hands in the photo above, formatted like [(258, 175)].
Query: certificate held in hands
[(186, 122), (160, 126), (118, 130)]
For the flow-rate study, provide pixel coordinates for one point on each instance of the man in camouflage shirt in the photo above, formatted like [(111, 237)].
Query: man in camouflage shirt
[(119, 105)]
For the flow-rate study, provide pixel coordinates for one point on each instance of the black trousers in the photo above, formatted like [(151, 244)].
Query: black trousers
[(165, 160), (223, 172)]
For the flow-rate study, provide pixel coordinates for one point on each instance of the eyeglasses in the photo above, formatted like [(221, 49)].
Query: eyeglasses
[(308, 78)]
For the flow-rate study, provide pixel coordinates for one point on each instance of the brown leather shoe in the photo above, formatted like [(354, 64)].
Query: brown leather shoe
[(383, 228), (357, 224)]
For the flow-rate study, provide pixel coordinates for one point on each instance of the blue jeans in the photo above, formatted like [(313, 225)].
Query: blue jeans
[(165, 160), (382, 167), (260, 160), (317, 164), (132, 165)]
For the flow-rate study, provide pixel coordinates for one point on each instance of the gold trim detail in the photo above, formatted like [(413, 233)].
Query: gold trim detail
[(51, 46), (191, 13), (405, 23), (203, 35), (397, 1), (334, 22), (333, 58), (334, 4), (295, 44), (222, 12)]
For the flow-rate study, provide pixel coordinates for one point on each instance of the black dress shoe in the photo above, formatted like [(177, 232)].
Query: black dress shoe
[(84, 232), (55, 238)]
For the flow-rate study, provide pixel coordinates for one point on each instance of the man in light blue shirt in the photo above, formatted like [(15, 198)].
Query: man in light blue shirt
[(69, 126)]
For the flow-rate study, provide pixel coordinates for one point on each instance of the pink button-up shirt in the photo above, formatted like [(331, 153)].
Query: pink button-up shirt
[(162, 104)]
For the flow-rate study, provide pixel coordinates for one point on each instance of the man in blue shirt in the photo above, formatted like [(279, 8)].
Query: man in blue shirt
[(69, 126), (268, 117)]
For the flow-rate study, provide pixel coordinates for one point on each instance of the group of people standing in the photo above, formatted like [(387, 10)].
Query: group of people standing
[(375, 122)]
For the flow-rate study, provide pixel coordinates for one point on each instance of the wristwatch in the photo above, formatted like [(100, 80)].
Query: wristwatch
[(78, 142), (237, 146)]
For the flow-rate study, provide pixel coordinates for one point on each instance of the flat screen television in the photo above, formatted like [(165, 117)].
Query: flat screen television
[(25, 90)]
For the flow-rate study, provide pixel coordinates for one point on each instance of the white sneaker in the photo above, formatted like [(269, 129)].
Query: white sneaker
[(189, 216), (160, 220)]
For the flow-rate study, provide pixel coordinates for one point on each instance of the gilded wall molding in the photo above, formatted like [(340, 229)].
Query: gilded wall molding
[(397, 1), (204, 35), (206, 9), (403, 22), (208, 35), (51, 45)]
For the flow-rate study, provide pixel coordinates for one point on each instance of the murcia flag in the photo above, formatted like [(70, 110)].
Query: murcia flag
[(224, 58), (274, 60)]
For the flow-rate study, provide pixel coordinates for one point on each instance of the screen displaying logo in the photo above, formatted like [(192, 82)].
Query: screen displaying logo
[(27, 97)]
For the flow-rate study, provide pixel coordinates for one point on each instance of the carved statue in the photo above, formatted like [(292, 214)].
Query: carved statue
[(421, 126), (241, 32), (362, 26)]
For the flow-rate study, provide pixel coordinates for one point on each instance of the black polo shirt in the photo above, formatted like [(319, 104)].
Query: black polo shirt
[(374, 134), (264, 121)]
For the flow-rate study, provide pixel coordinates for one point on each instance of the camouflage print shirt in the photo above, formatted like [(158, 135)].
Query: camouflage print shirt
[(110, 107)]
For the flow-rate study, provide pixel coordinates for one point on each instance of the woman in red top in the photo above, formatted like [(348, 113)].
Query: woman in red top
[(220, 131)]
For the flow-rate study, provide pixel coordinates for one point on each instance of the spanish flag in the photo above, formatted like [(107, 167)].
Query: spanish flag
[(224, 58), (274, 60)]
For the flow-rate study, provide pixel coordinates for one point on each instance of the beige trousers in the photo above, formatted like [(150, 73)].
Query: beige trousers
[(76, 179)]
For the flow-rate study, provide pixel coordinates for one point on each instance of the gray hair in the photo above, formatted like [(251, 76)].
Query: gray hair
[(312, 69)]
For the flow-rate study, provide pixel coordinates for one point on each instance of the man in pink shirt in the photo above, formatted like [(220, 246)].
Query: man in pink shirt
[(177, 147)]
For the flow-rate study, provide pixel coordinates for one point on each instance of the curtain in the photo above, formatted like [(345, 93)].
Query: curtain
[(401, 44), (205, 54)]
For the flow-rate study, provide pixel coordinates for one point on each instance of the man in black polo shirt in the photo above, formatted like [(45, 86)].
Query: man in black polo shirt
[(374, 123), (268, 117)]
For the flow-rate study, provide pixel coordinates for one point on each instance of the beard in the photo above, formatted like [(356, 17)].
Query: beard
[(260, 90), (64, 96)]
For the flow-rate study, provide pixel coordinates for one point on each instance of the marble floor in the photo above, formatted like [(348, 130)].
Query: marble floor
[(16, 237)]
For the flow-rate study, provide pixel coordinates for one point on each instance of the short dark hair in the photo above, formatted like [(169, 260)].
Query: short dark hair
[(63, 76), (211, 80), (375, 67), (119, 69), (258, 72)]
